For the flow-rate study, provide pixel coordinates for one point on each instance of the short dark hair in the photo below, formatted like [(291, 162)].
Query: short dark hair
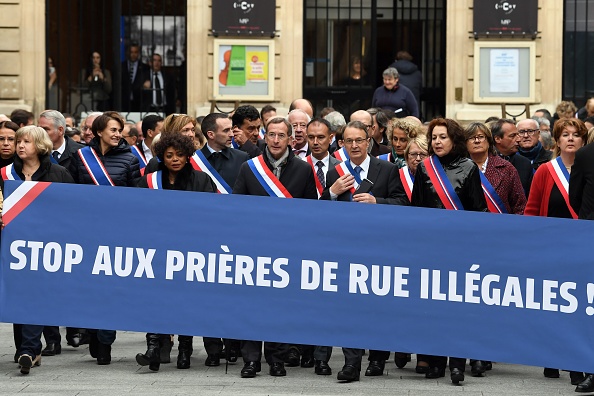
[(323, 121), (358, 125), (179, 142), (209, 123), (497, 127), (325, 111), (244, 112), (267, 109), (21, 116), (150, 122), (100, 123), (455, 133), (280, 120), (9, 125), (133, 131)]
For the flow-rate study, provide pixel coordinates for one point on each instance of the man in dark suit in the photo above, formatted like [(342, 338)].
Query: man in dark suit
[(374, 149), (505, 135), (246, 126), (386, 189), (529, 144), (159, 88), (134, 73), (581, 183)]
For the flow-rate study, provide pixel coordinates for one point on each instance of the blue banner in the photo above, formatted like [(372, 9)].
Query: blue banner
[(478, 285)]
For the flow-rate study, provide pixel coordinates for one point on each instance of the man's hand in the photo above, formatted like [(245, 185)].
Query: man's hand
[(365, 198), (343, 184), (239, 135)]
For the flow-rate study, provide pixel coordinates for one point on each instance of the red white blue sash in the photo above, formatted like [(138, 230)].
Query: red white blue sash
[(561, 177), (199, 162), (385, 157), (494, 201), (261, 133), (234, 143), (95, 167), (267, 179), (407, 181), (155, 180), (319, 186), (341, 154), (140, 155), (442, 185), (9, 173), (345, 168)]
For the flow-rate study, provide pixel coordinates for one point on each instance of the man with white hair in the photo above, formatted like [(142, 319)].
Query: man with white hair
[(299, 120), (529, 144), (87, 133)]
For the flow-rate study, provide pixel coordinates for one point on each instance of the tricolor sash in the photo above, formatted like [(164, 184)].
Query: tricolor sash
[(234, 143), (199, 162), (407, 180), (385, 157), (443, 187), (53, 160), (341, 154), (140, 155), (494, 201), (319, 186), (9, 173), (267, 179), (261, 133), (345, 168), (561, 177), (155, 180), (95, 167)]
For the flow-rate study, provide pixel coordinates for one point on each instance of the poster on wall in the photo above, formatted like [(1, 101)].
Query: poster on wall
[(244, 69), (504, 70)]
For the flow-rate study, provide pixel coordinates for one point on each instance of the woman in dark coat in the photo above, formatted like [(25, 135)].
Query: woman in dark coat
[(174, 172), (32, 163)]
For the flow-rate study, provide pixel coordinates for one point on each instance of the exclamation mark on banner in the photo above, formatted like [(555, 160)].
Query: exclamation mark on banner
[(590, 310)]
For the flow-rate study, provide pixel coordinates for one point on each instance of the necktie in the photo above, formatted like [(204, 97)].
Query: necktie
[(320, 173), (158, 89), (131, 71), (298, 152), (358, 170), (56, 155)]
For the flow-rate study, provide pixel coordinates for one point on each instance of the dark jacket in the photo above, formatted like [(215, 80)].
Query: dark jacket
[(297, 177), (251, 149), (227, 163), (187, 179), (119, 162), (47, 172), (410, 77), (525, 170), (68, 157), (387, 187), (542, 156), (465, 178), (581, 183), (169, 96), (132, 90), (400, 100)]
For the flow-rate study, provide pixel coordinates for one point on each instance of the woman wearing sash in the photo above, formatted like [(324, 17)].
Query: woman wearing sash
[(447, 180), (32, 163), (501, 182), (549, 193), (174, 173)]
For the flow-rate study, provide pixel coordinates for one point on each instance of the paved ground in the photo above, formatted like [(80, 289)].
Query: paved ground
[(74, 372)]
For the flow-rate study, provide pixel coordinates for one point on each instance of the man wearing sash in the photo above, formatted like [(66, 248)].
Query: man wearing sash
[(276, 173), (64, 148), (152, 125), (374, 148), (319, 136), (299, 120), (246, 125), (342, 183)]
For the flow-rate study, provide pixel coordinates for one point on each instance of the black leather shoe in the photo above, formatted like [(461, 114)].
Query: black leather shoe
[(551, 372), (73, 340), (183, 359), (348, 373), (457, 376), (16, 357), (278, 369), (103, 354), (401, 358), (422, 369), (435, 372), (488, 366), (52, 350), (93, 345), (213, 361), (375, 368), (292, 359), (250, 369), (231, 355), (166, 347), (576, 377), (586, 385), (322, 368), (477, 368), (307, 361)]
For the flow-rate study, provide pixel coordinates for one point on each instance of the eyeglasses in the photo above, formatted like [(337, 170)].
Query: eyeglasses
[(413, 156), (477, 138), (359, 141), (85, 128), (280, 136), (527, 132)]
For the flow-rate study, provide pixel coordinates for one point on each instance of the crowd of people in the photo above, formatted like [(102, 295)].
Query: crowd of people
[(499, 166)]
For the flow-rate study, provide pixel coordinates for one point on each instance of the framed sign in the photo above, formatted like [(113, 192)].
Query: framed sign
[(504, 72), (243, 18), (243, 70), (517, 18)]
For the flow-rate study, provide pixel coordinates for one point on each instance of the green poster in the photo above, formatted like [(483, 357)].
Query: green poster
[(237, 66)]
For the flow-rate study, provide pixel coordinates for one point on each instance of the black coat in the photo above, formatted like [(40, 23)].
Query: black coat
[(47, 172), (525, 170), (187, 179), (68, 157), (581, 183), (297, 177), (251, 149), (387, 187), (464, 176), (543, 157), (169, 86), (227, 163), (133, 87), (119, 162)]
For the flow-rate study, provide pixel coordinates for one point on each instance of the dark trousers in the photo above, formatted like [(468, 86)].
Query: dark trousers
[(31, 340), (459, 363), (381, 356), (323, 353), (304, 350), (214, 346), (434, 361), (52, 335), (17, 333), (353, 356), (274, 352)]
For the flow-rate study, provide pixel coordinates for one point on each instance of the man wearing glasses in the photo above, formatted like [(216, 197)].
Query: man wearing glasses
[(373, 148), (530, 146)]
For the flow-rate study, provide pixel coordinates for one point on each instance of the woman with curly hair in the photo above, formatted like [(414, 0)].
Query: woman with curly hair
[(400, 131), (174, 173)]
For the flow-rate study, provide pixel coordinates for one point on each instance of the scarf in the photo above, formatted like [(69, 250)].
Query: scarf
[(531, 154), (277, 165)]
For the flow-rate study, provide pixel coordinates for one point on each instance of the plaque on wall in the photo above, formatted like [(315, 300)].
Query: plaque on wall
[(243, 18), (505, 18)]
